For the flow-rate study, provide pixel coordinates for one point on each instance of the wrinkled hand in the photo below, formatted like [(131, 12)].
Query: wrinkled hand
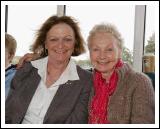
[(27, 57)]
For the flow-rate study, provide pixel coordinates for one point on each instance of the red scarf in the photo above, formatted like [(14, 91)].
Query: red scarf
[(103, 90)]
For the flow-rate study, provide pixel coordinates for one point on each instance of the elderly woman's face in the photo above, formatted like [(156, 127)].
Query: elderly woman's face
[(60, 41), (104, 52)]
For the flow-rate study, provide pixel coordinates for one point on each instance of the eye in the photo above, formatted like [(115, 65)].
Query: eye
[(95, 49), (68, 39), (53, 39), (110, 49)]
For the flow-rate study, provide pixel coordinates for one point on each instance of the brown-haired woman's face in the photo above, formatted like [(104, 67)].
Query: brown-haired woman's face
[(104, 52), (60, 41)]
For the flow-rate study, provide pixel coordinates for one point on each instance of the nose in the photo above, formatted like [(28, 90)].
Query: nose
[(102, 55), (60, 44)]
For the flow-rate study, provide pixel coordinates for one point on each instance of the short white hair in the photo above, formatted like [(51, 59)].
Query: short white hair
[(106, 28)]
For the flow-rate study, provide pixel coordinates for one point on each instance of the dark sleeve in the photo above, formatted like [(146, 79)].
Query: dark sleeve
[(80, 112), (11, 105), (8, 118), (10, 111)]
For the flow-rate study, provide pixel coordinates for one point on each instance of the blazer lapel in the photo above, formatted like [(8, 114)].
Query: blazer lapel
[(63, 92), (28, 91)]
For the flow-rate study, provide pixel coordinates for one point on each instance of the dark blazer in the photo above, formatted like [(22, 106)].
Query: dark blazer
[(70, 104)]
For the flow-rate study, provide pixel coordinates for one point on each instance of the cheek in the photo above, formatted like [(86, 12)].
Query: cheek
[(114, 55), (70, 50), (7, 56), (72, 47), (117, 53), (47, 45), (6, 59), (93, 56)]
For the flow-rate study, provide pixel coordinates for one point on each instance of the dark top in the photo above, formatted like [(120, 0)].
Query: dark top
[(69, 105)]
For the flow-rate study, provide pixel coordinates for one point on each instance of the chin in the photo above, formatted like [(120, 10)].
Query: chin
[(104, 68), (101, 69), (61, 60)]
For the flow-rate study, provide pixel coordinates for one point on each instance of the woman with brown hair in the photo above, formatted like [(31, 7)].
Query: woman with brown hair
[(52, 89)]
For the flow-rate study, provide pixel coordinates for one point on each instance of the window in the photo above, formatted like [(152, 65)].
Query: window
[(121, 16), (149, 48), (150, 32), (23, 22)]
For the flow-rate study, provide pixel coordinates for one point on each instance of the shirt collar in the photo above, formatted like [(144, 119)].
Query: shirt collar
[(70, 73), (8, 66)]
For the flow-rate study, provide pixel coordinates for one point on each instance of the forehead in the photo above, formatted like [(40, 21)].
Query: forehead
[(60, 29), (102, 38)]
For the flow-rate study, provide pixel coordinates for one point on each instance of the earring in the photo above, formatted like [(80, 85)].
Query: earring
[(46, 51)]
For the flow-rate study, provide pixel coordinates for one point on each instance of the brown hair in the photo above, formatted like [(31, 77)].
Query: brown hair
[(10, 43), (39, 44)]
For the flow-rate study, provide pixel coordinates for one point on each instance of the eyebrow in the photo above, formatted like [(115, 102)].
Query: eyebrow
[(55, 36)]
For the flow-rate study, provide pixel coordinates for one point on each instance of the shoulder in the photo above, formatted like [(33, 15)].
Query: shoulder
[(11, 68), (138, 79), (26, 68), (83, 73), (86, 78), (24, 75), (142, 80)]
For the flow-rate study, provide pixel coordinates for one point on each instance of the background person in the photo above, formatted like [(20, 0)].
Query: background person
[(10, 69)]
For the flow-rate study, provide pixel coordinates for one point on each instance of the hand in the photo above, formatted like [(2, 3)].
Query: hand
[(27, 57)]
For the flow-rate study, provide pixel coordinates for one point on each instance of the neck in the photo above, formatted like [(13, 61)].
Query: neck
[(56, 66), (54, 70), (107, 75)]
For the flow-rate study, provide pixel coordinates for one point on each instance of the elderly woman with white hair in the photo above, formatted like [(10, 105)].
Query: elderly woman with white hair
[(120, 94)]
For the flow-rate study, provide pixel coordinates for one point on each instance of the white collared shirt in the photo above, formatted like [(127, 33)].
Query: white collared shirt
[(43, 95)]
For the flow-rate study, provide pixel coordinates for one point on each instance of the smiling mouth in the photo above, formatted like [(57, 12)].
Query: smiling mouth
[(103, 63), (61, 52)]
